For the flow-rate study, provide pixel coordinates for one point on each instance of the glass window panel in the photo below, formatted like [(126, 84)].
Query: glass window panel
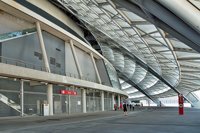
[(196, 3), (84, 7), (130, 31), (101, 1), (132, 16), (100, 21), (147, 28), (16, 34), (110, 9), (96, 9), (113, 76), (120, 33), (123, 23), (105, 17), (94, 16)]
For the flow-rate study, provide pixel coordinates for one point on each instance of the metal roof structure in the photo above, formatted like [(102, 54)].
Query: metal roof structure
[(154, 45)]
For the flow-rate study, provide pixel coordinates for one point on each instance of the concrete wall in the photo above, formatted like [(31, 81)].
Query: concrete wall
[(57, 13), (10, 23)]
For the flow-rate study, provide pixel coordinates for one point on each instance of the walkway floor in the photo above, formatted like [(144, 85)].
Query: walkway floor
[(153, 120)]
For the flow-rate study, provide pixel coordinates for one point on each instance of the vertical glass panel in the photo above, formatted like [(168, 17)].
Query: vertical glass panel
[(107, 101), (75, 101), (93, 100), (113, 76)]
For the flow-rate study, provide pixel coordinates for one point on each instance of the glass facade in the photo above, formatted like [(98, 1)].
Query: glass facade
[(93, 100), (108, 101), (35, 94)]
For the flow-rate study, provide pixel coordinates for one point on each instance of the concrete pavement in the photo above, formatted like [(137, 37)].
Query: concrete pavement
[(153, 120)]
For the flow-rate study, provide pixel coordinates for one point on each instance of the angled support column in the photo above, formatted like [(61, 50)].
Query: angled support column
[(45, 59), (95, 67), (83, 93), (102, 100), (76, 59), (66, 56), (42, 46), (22, 97)]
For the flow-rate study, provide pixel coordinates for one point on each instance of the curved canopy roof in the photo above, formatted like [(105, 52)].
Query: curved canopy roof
[(153, 55)]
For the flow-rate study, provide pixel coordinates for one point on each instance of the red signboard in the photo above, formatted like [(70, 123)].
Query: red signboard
[(181, 101), (68, 92)]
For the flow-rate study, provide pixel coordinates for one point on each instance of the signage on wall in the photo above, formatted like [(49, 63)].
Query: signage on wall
[(68, 92)]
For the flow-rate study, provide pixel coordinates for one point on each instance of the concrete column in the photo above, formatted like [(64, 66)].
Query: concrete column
[(95, 67), (50, 98), (47, 67), (102, 100), (113, 101), (76, 59), (119, 100), (66, 104), (22, 97), (69, 104), (83, 93), (44, 54)]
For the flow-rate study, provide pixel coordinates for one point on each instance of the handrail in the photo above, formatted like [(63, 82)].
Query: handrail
[(21, 63)]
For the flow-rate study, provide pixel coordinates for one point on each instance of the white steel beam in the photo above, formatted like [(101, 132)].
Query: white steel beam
[(76, 59), (42, 46), (95, 67)]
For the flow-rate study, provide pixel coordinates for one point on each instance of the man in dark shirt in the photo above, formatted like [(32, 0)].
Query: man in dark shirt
[(125, 108)]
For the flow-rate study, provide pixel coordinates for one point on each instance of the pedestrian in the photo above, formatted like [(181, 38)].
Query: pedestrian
[(115, 107), (130, 107), (121, 106), (125, 108)]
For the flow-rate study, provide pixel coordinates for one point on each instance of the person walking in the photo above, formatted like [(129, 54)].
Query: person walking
[(115, 107), (125, 108), (130, 107)]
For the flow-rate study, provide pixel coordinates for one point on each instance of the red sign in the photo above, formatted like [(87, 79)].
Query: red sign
[(68, 92), (180, 101)]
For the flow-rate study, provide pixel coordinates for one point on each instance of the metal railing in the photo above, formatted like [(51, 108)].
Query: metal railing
[(54, 70), (21, 63)]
